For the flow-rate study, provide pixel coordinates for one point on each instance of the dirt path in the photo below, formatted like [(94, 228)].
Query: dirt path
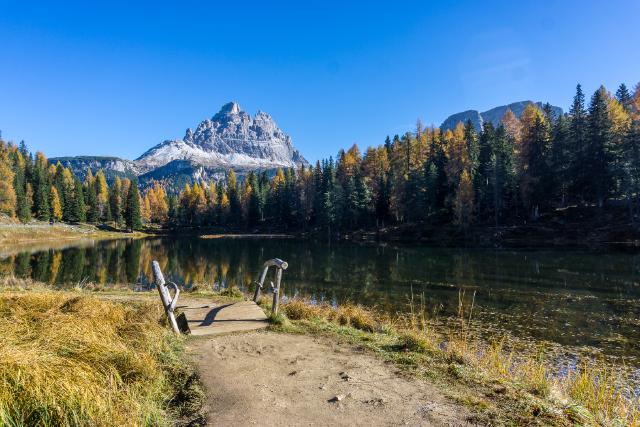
[(268, 379)]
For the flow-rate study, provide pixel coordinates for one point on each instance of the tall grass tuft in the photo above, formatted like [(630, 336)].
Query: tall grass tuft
[(355, 316), (67, 359)]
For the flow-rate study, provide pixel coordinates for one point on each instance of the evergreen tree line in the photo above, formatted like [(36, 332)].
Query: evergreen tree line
[(510, 173), (516, 171), (32, 188)]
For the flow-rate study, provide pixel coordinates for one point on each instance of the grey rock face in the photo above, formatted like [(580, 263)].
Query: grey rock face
[(464, 117), (493, 115), (232, 139)]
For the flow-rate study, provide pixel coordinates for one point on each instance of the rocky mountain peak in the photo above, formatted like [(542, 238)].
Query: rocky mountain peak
[(188, 136), (230, 139), (229, 109)]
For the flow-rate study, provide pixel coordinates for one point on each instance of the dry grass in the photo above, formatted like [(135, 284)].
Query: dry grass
[(590, 395), (68, 359), (345, 315)]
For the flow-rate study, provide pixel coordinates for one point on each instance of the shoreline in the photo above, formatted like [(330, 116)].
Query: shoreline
[(40, 232), (497, 384)]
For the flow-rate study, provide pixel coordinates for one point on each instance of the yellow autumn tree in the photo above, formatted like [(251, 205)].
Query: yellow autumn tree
[(457, 154), (7, 193), (620, 120), (278, 180), (511, 125), (55, 204), (348, 162), (212, 195), (158, 207), (145, 208), (530, 115), (198, 200), (102, 194), (635, 104)]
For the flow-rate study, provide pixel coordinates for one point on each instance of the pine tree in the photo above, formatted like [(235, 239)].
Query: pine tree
[(631, 153), (76, 198), (463, 201), (23, 208), (578, 135), (623, 96), (90, 198), (598, 152), (235, 208), (473, 148), (132, 213), (482, 178), (561, 159), (253, 204), (503, 174), (41, 188)]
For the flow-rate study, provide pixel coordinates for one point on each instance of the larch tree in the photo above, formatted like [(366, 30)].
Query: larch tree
[(7, 192), (102, 197), (56, 205)]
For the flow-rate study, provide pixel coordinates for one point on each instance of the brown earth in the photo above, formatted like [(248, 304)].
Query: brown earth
[(274, 379)]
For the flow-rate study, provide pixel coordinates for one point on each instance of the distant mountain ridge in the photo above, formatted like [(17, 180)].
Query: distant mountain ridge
[(233, 139), (493, 115)]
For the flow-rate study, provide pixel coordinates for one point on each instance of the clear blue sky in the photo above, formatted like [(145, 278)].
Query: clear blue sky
[(110, 78)]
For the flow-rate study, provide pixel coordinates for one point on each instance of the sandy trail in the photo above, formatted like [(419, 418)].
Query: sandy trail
[(272, 379)]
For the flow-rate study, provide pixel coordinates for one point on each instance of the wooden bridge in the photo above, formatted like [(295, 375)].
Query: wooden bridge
[(198, 318)]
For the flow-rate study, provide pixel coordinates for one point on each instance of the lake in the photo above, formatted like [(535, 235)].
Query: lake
[(575, 299)]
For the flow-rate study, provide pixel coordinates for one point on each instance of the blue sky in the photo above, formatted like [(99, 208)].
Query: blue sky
[(110, 78)]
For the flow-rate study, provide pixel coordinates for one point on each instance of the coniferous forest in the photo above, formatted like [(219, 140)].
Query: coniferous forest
[(518, 172)]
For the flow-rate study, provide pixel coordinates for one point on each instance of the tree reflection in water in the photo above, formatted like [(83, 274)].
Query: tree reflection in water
[(570, 297)]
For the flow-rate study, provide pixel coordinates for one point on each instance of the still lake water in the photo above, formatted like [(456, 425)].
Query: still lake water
[(576, 299)]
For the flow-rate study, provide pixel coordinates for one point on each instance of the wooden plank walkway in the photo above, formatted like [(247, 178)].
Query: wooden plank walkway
[(215, 319)]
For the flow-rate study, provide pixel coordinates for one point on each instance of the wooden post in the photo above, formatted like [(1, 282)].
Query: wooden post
[(167, 302), (280, 266), (259, 284), (276, 292)]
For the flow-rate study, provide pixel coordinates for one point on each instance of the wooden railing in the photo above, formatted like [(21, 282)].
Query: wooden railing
[(280, 266), (168, 303)]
